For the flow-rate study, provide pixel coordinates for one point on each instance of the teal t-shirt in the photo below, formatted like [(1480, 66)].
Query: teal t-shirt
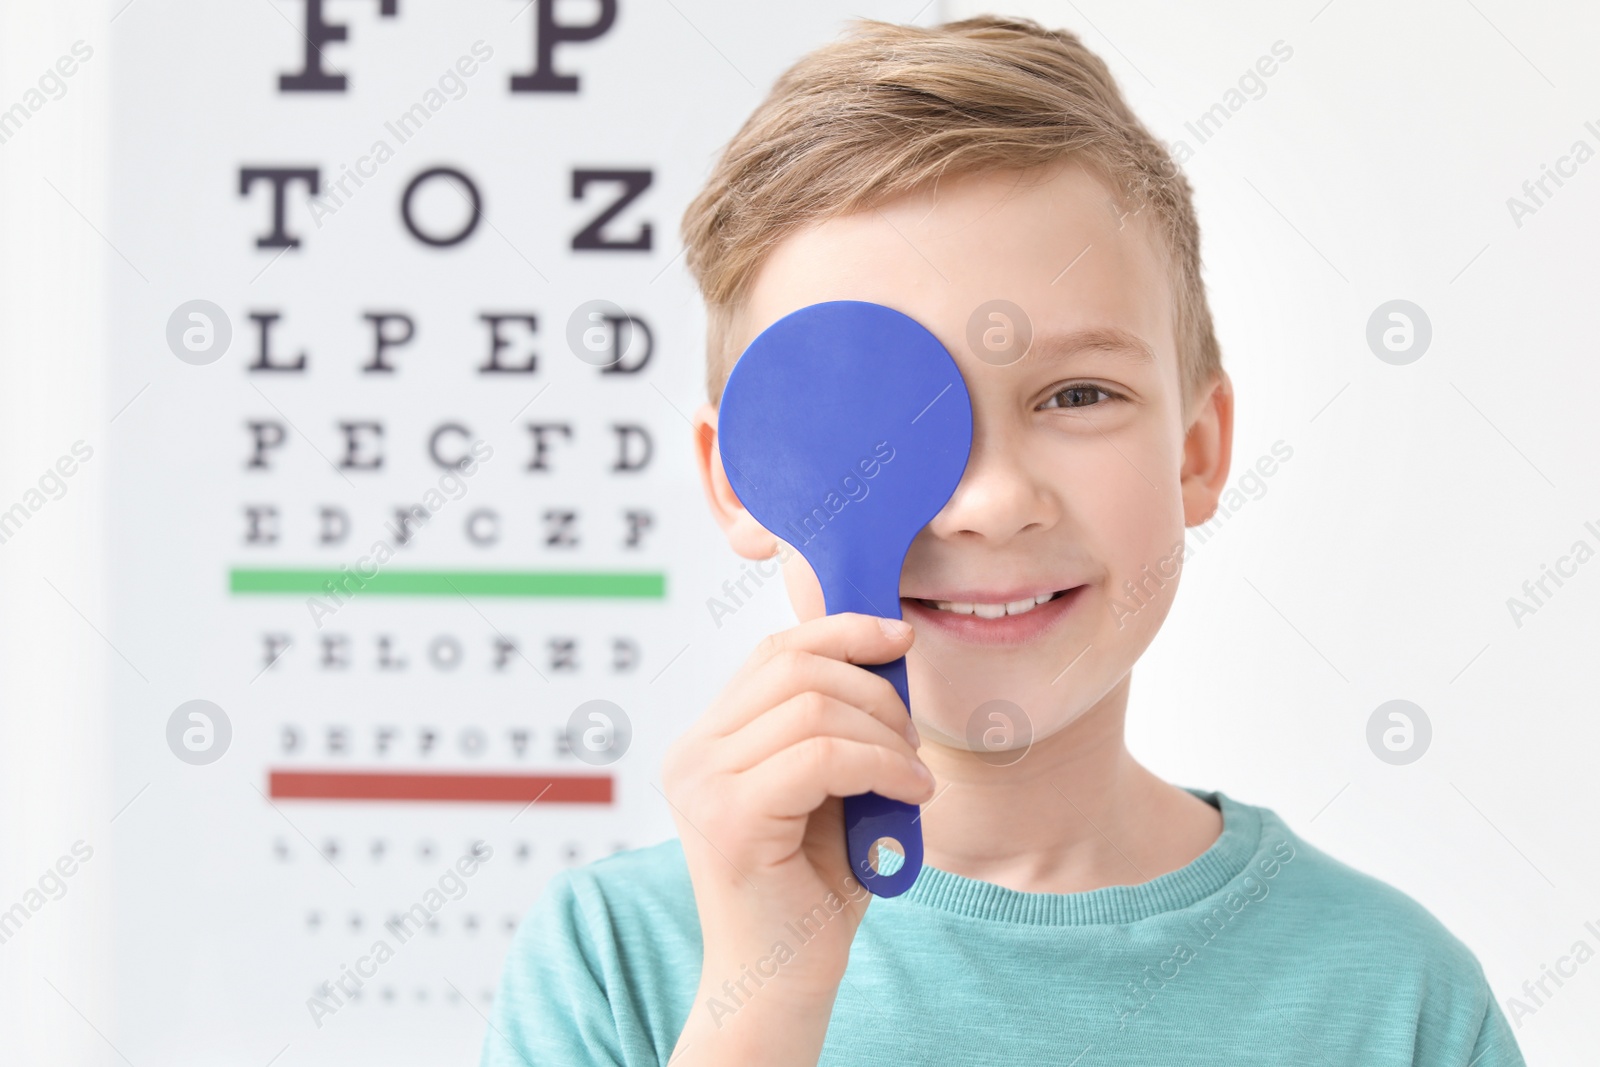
[(1262, 950)]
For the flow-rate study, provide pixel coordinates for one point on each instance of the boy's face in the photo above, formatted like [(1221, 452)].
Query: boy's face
[(1084, 467)]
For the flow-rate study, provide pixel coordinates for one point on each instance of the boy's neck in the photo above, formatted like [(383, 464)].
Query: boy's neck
[(1076, 812)]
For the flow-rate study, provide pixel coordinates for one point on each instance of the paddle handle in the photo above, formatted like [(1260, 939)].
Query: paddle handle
[(869, 817)]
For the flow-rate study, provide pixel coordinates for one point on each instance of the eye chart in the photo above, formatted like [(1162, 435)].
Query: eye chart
[(410, 552)]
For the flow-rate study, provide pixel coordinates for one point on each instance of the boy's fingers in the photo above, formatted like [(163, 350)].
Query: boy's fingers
[(815, 655), (807, 715), (792, 672), (849, 636), (798, 779)]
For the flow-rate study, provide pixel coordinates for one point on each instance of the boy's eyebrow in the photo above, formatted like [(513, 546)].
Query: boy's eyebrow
[(1109, 339)]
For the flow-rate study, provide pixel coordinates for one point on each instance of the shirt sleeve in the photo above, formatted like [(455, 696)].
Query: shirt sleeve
[(552, 1008), (1496, 1046)]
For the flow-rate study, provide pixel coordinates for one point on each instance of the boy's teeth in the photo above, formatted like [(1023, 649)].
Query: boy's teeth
[(992, 611)]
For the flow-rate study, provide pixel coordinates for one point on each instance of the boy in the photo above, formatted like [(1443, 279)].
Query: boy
[(1073, 908)]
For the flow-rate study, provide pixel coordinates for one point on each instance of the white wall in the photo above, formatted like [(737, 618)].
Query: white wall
[(55, 978)]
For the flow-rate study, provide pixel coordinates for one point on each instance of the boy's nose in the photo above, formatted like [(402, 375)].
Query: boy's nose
[(999, 496)]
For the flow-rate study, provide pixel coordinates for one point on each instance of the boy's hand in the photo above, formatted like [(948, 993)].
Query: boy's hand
[(756, 786)]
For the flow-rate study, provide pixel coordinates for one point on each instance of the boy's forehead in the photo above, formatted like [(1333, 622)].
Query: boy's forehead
[(1053, 241)]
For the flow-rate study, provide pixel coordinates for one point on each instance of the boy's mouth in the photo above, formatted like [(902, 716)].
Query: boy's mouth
[(987, 619)]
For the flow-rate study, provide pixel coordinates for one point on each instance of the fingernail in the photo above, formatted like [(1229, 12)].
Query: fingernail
[(912, 735), (923, 772), (896, 628)]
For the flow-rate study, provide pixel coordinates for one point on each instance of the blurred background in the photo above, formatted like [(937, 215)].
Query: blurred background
[(272, 271)]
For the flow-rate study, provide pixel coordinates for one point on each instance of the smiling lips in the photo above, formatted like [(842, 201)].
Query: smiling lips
[(1006, 618)]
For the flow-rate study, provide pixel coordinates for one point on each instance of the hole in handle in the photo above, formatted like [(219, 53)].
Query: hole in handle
[(886, 855)]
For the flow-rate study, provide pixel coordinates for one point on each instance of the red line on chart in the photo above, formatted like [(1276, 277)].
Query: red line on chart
[(491, 788)]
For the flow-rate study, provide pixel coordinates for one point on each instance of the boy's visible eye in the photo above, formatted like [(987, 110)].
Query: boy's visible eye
[(1080, 395)]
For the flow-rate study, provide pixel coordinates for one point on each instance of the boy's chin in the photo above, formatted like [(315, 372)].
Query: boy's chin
[(997, 732)]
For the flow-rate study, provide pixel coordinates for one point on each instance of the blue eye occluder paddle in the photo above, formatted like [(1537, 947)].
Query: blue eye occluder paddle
[(844, 428)]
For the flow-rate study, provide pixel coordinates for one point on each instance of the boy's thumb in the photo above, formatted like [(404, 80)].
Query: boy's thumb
[(895, 628)]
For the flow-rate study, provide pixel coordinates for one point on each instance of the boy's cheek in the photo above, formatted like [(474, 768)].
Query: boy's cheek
[(1142, 540), (805, 592)]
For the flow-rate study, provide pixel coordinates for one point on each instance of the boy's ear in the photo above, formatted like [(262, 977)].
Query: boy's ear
[(1207, 451), (745, 535)]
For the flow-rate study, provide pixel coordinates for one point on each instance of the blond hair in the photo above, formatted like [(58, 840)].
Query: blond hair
[(886, 108)]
